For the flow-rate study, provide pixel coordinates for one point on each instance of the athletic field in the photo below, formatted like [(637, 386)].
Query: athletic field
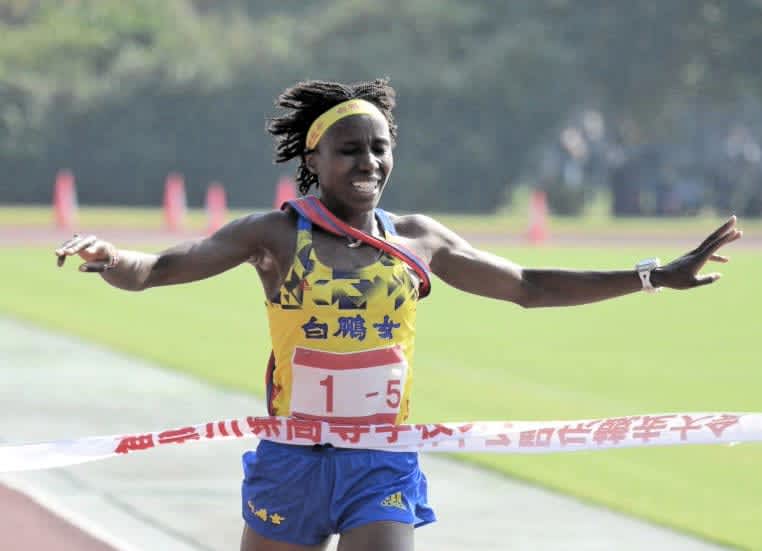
[(479, 359)]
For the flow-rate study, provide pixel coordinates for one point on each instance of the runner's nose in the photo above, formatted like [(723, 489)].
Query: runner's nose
[(367, 161)]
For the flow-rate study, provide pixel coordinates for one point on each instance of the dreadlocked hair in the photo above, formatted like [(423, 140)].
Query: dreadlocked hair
[(310, 99)]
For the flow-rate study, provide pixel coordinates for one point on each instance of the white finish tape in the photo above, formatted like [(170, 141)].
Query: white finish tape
[(669, 429)]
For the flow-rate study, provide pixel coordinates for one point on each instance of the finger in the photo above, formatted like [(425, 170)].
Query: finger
[(72, 244), (67, 243), (722, 241), (710, 248), (96, 250), (707, 279), (719, 258), (93, 267), (719, 232), (83, 244), (61, 253)]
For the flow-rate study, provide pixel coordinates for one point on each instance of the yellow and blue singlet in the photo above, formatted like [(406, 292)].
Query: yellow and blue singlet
[(343, 340)]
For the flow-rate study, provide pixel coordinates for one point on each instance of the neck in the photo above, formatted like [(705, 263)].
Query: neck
[(362, 220)]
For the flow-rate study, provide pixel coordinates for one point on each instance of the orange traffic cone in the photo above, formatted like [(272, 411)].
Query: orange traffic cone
[(284, 191), (175, 206), (65, 200), (537, 232), (216, 207)]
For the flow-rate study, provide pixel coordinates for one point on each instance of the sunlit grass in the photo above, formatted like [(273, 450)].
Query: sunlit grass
[(481, 359), (511, 221)]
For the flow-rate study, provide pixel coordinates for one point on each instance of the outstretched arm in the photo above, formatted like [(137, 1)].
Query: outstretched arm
[(240, 240), (472, 270)]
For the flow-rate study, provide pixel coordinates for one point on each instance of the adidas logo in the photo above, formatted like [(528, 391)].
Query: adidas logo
[(394, 500)]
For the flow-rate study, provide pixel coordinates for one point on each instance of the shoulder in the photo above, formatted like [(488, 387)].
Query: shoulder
[(430, 239), (413, 226), (274, 221), (421, 226), (270, 230)]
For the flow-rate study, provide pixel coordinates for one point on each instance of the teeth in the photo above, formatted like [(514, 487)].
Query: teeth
[(364, 186)]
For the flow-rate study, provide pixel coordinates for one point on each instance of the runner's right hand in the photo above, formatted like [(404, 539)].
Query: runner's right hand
[(98, 255)]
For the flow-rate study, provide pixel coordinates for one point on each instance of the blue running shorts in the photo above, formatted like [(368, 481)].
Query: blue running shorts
[(303, 494)]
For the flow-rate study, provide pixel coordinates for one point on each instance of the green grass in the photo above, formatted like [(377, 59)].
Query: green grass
[(480, 359), (98, 217), (596, 220)]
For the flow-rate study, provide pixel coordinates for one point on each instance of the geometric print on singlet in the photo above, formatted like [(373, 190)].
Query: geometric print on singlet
[(349, 289), (321, 316)]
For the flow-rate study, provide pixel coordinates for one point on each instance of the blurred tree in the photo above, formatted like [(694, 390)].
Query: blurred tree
[(123, 92)]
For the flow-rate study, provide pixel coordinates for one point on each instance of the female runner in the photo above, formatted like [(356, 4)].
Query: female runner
[(342, 316)]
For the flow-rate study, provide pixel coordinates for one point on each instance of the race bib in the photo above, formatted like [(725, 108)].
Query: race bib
[(353, 387)]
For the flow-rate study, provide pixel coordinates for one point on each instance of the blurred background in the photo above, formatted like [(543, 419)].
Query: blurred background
[(608, 130), (651, 108)]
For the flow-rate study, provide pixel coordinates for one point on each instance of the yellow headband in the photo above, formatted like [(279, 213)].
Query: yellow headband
[(335, 114)]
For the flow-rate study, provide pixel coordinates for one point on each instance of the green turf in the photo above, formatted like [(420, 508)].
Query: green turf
[(481, 359), (596, 221), (97, 217)]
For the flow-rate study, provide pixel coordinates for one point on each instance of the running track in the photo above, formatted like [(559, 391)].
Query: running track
[(27, 526)]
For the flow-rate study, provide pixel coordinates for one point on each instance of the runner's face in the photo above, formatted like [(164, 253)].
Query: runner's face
[(353, 162)]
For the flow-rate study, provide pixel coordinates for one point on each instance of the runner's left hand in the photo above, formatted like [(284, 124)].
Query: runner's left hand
[(683, 272)]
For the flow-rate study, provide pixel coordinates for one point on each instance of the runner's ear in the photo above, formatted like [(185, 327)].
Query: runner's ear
[(309, 162)]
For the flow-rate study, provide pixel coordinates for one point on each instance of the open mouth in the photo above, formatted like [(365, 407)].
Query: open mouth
[(365, 187)]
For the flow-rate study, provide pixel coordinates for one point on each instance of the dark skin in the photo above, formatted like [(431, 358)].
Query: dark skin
[(353, 161), (377, 536)]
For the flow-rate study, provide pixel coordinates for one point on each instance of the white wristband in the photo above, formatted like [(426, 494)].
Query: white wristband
[(644, 269)]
